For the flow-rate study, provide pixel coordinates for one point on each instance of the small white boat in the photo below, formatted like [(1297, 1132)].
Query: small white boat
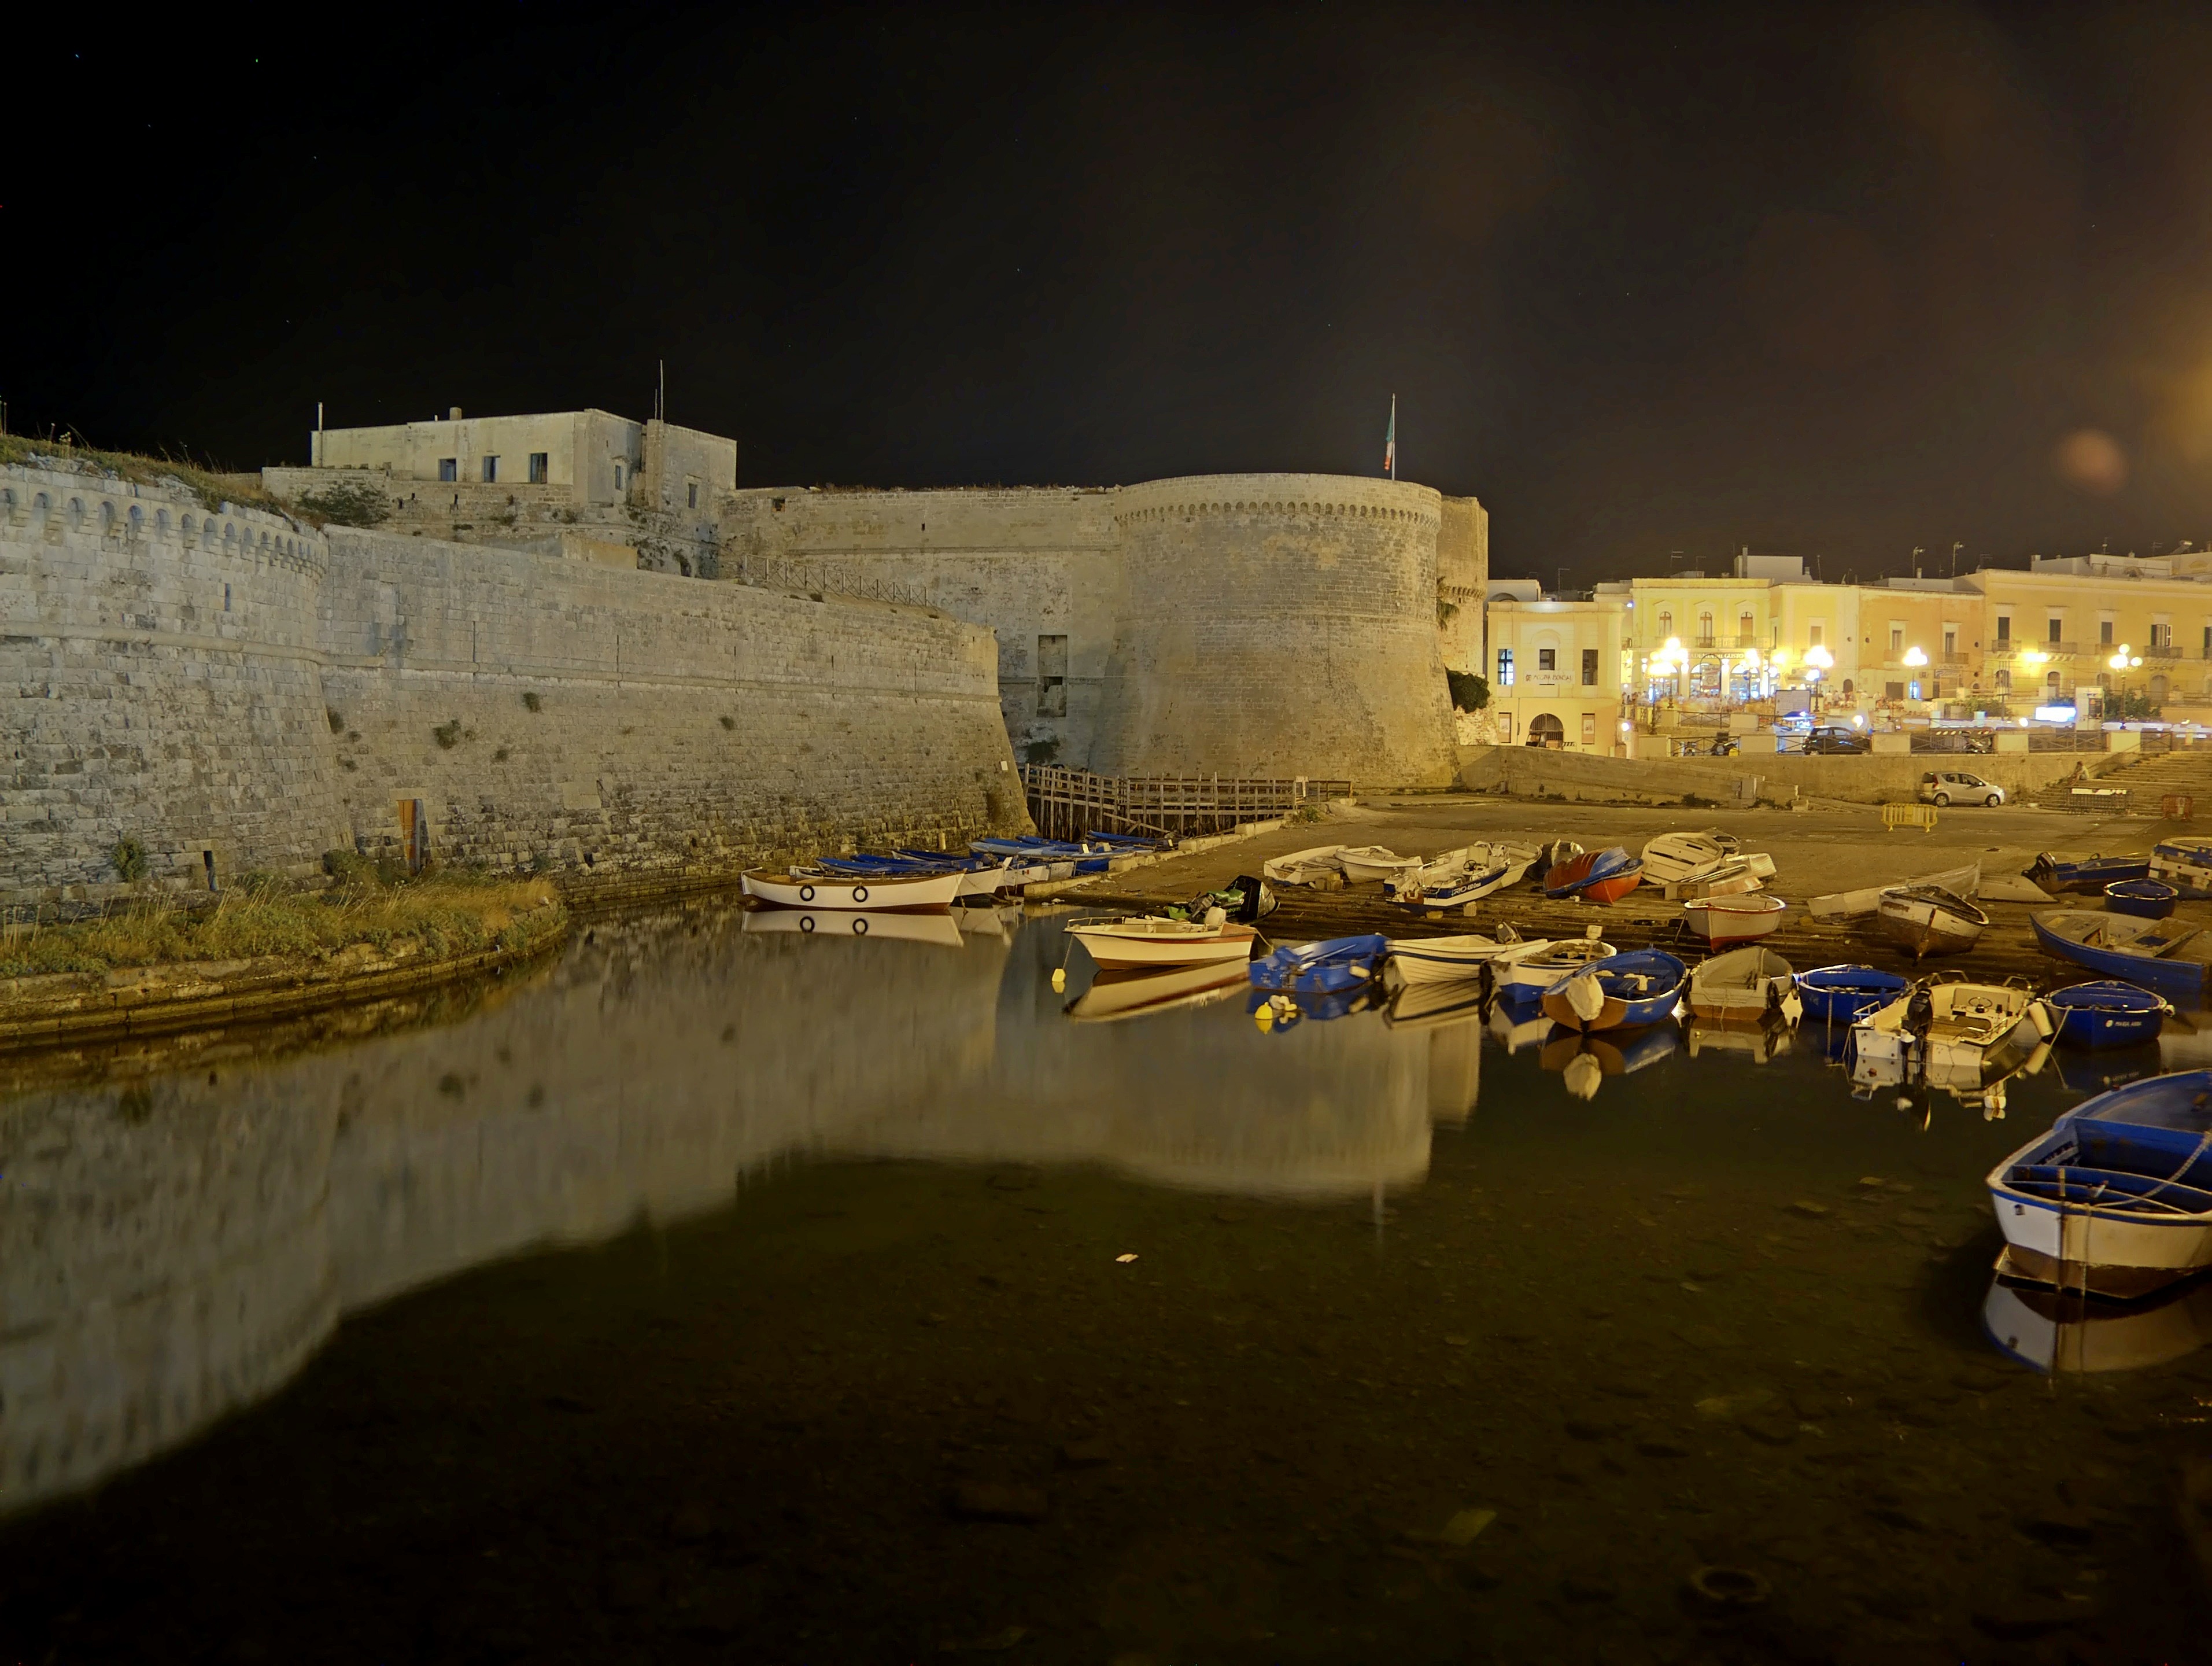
[(1147, 941), (805, 888), (1673, 857), (1733, 878), (1304, 867), (1524, 974), (1453, 959), (1374, 862), (1132, 992), (922, 926), (1745, 985), (1740, 919), (2115, 1198), (1465, 875), (1949, 1033), (1853, 904), (1929, 919)]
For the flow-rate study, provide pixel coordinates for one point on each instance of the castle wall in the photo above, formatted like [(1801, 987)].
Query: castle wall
[(1463, 583), (1279, 624)]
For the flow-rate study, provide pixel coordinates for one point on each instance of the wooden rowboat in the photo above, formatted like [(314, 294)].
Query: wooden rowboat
[(810, 889), (1744, 984), (1724, 919), (1641, 987), (1144, 941), (1854, 904), (1929, 919)]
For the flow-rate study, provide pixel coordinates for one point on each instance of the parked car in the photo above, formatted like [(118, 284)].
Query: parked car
[(1835, 737), (1957, 787)]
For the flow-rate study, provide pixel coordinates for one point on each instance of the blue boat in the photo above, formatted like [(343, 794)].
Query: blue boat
[(1322, 969), (1085, 857), (2147, 899), (2184, 864), (1641, 987), (2167, 955), (1844, 995), (2107, 1014), (2086, 874)]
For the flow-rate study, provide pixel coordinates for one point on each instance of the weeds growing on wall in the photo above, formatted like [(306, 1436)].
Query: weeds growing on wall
[(449, 914), (211, 486), (448, 735), (1469, 693), (129, 859), (348, 504)]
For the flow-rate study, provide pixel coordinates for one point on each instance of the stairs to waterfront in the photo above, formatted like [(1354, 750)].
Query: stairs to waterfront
[(2148, 780)]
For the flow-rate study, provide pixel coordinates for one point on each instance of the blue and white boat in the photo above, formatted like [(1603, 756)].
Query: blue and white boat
[(2116, 1200), (2086, 873), (1084, 858), (2184, 864), (2147, 899), (1329, 967), (2171, 957), (2107, 1014), (1641, 987), (1844, 994)]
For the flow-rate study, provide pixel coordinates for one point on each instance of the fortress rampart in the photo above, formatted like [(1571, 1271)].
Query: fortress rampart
[(235, 692)]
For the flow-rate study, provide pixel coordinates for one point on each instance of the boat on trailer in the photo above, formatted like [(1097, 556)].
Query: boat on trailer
[(2171, 957), (2108, 1013), (2090, 873), (1753, 985), (2184, 864), (1150, 941), (816, 890), (1844, 994), (2115, 1198), (1926, 920), (1624, 990)]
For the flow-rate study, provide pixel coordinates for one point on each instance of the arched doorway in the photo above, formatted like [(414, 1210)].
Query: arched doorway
[(1545, 729)]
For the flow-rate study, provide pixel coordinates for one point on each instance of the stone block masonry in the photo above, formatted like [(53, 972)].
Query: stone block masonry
[(233, 691)]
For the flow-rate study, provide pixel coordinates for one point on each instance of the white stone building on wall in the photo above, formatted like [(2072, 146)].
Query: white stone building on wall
[(1560, 671)]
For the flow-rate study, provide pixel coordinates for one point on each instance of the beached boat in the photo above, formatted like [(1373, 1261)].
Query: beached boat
[(2108, 1014), (1947, 1032), (1131, 993), (1721, 921), (2184, 864), (1373, 861), (1453, 959), (2056, 874), (1305, 867), (1844, 995), (937, 925), (2147, 899), (1150, 941), (1055, 853), (1925, 920), (2169, 955), (1733, 878), (1524, 974), (1603, 877), (1673, 857), (2116, 1200), (1853, 904), (1745, 984), (814, 889), (1325, 967), (1641, 987), (1462, 876), (2047, 1331)]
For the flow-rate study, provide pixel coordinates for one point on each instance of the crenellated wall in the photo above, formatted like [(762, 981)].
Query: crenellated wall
[(235, 692)]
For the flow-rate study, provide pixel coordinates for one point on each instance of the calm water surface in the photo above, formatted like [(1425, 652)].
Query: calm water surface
[(723, 1294)]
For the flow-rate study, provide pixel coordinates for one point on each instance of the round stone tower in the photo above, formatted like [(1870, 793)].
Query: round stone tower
[(1278, 624)]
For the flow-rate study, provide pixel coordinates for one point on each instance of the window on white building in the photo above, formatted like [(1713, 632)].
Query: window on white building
[(1590, 667), (1547, 658), (490, 469), (1506, 668)]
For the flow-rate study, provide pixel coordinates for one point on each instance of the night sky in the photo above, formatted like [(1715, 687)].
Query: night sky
[(1827, 283)]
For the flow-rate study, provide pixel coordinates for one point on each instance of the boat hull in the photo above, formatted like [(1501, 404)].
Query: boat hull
[(2181, 982), (1610, 889), (1449, 959), (2109, 1014), (2090, 875), (1122, 953), (1621, 1007), (880, 894), (2186, 867), (1843, 994), (2146, 899), (1924, 925), (1724, 921)]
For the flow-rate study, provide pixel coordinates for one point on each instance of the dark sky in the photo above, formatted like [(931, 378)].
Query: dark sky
[(1831, 282)]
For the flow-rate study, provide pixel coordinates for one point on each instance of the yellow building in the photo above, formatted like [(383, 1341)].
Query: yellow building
[(2053, 632), (1558, 670)]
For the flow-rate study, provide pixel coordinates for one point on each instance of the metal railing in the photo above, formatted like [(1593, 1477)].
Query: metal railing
[(1066, 804)]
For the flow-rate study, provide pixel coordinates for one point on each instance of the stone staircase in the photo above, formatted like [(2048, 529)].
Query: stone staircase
[(2147, 779)]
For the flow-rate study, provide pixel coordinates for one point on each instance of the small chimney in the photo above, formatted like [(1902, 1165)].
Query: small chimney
[(453, 414)]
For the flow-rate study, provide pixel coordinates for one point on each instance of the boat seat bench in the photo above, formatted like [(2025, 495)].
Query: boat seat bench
[(2069, 1184)]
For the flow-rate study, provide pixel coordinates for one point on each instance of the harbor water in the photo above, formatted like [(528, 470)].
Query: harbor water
[(729, 1293)]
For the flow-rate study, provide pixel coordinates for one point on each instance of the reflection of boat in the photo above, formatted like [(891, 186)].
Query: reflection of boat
[(1146, 941), (1673, 857), (1641, 987), (2184, 864), (918, 928), (2047, 1331), (1525, 974), (2147, 899), (1926, 920), (1852, 904), (1948, 1033), (1740, 919), (1603, 877), (1612, 1052), (1517, 1027), (1763, 1040), (1372, 862), (1419, 1006), (2099, 1072), (2089, 873), (804, 888), (1277, 1012), (2115, 1198), (1745, 984), (1128, 993), (1451, 959), (1842, 995), (1324, 968), (2107, 1014), (2168, 956)]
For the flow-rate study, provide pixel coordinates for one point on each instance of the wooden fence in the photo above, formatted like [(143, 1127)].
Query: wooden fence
[(1066, 804)]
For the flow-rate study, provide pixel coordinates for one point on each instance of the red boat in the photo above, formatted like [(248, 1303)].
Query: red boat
[(1603, 877)]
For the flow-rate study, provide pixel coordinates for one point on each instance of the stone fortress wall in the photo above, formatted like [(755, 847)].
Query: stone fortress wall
[(236, 692)]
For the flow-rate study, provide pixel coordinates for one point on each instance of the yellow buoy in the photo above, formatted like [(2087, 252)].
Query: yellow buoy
[(1059, 979)]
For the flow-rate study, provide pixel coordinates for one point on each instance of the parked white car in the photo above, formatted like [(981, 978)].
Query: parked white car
[(1957, 787)]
